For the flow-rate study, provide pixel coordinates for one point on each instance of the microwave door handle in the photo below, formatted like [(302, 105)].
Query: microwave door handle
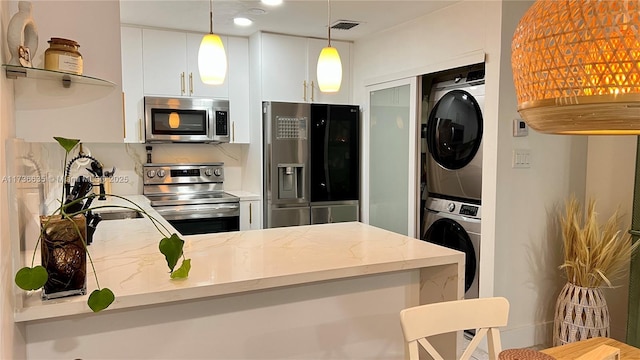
[(211, 125)]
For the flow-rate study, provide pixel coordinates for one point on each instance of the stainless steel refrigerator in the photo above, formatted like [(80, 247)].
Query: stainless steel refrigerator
[(311, 162)]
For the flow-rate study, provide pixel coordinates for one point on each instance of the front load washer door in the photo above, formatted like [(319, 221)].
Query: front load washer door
[(451, 234), (454, 129)]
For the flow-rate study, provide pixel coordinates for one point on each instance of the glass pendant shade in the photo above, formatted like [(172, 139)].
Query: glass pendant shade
[(329, 70), (576, 66), (174, 120), (212, 60)]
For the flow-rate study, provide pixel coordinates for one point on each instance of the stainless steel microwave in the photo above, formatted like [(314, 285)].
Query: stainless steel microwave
[(186, 120)]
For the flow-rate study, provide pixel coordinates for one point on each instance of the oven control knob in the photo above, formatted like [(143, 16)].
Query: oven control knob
[(208, 172), (217, 172), (451, 207), (161, 173), (151, 173)]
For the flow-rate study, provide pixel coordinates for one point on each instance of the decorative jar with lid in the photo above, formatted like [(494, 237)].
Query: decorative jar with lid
[(63, 55)]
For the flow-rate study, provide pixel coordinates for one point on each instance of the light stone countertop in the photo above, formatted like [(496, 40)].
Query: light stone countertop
[(244, 195), (126, 257)]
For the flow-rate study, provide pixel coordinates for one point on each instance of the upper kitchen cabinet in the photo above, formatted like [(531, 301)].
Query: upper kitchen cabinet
[(284, 68), (131, 39), (171, 65), (165, 63), (238, 79), (84, 110), (288, 69)]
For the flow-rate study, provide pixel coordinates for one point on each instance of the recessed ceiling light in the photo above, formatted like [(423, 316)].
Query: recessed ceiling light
[(272, 2), (242, 21)]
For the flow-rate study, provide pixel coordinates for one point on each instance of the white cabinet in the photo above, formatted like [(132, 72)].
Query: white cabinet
[(171, 65), (131, 39), (238, 79), (165, 63), (250, 215), (284, 68), (288, 69)]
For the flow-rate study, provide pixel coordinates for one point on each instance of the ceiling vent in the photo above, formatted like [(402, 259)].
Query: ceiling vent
[(344, 24)]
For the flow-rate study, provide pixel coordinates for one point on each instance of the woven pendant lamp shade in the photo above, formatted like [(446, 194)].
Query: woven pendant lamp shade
[(576, 66)]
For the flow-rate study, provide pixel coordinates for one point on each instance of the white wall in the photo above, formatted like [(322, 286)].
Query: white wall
[(610, 176), (527, 240), (12, 341), (518, 205), (95, 25)]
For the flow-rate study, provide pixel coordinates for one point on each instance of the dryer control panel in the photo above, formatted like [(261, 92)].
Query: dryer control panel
[(469, 210), (453, 207)]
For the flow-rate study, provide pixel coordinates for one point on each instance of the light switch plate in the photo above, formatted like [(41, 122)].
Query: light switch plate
[(521, 158), (520, 128)]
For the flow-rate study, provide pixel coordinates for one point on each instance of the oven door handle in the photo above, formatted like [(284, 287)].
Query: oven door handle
[(198, 212)]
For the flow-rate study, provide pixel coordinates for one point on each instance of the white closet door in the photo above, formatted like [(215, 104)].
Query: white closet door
[(390, 157)]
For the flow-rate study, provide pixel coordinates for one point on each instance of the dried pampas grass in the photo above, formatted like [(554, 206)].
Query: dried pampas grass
[(593, 255)]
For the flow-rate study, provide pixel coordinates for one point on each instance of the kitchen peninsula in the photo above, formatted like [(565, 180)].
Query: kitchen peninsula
[(330, 291)]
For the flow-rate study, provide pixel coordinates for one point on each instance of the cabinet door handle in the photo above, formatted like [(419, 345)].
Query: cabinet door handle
[(182, 83), (304, 90), (141, 130), (233, 138), (190, 83), (250, 214), (124, 118), (312, 90)]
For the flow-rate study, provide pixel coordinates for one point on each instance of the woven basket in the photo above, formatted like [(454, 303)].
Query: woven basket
[(581, 313), (523, 354)]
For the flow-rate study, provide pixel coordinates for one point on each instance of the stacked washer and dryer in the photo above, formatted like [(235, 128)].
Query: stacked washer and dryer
[(452, 211)]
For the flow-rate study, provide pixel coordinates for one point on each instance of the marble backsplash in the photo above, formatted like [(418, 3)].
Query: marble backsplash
[(35, 173)]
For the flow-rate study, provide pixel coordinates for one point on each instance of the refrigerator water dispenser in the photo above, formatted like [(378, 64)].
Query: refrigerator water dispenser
[(290, 181)]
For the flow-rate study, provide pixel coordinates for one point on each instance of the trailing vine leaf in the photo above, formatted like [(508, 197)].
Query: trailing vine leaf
[(183, 271), (67, 144), (100, 299), (31, 278), (171, 247)]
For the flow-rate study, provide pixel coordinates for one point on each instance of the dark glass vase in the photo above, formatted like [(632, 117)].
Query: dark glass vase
[(64, 255)]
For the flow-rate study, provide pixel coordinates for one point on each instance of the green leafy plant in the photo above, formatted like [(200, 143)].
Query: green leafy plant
[(171, 245), (594, 255)]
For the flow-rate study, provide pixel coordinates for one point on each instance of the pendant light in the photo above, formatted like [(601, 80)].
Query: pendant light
[(575, 66), (212, 60), (329, 70)]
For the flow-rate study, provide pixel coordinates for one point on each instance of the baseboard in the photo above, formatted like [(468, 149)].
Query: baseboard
[(532, 336), (538, 336)]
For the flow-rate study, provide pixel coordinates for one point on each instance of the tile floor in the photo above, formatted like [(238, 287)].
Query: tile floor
[(479, 354)]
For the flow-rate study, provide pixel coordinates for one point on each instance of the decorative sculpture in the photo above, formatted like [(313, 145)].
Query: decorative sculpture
[(22, 36)]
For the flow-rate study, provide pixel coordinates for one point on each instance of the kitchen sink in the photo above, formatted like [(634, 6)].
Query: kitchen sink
[(120, 214)]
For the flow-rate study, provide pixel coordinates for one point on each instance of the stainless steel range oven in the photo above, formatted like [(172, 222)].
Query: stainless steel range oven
[(191, 197)]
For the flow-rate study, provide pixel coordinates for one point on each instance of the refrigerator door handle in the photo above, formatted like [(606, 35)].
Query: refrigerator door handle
[(325, 154)]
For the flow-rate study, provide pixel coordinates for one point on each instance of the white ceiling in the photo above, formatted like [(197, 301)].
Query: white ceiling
[(300, 17)]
